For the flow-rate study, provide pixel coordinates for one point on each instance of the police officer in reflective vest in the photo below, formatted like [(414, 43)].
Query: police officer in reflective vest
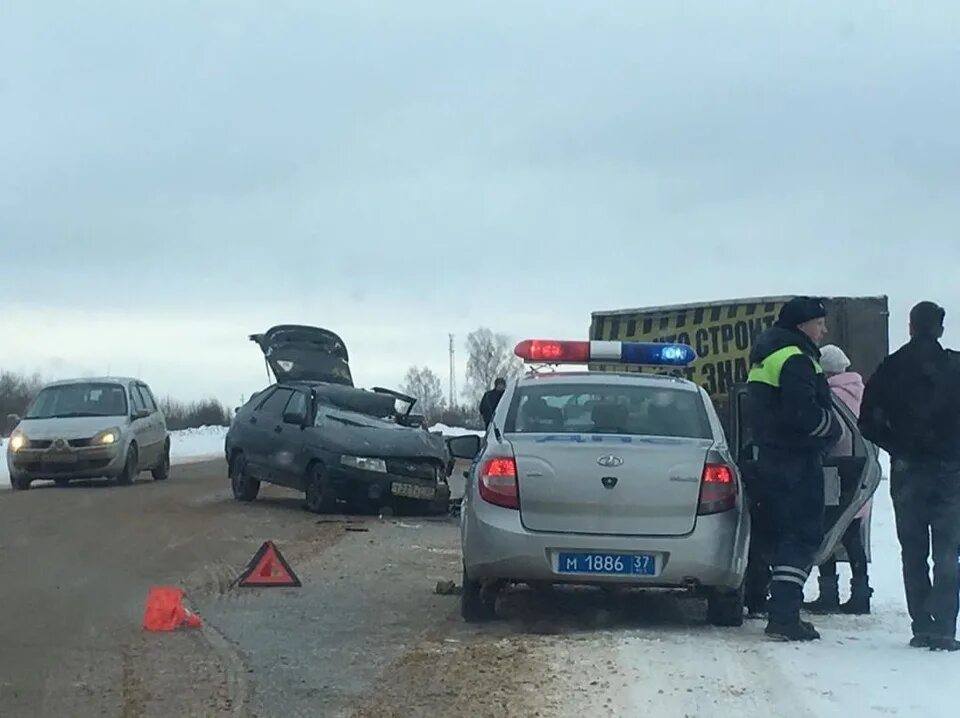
[(794, 425)]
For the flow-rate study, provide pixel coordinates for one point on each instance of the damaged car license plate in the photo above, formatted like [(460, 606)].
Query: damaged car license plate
[(413, 491)]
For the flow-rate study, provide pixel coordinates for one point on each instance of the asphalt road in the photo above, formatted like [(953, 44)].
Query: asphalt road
[(366, 634)]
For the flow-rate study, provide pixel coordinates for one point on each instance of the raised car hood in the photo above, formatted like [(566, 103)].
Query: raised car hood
[(301, 353)]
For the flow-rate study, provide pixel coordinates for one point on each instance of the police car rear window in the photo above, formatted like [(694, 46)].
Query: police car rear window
[(608, 409)]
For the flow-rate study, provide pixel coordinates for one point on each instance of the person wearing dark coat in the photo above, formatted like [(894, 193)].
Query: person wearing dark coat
[(911, 409), (490, 400), (794, 425)]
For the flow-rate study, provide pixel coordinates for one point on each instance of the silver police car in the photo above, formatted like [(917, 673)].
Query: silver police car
[(627, 479), (602, 478)]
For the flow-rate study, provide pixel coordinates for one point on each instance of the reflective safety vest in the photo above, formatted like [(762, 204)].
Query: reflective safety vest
[(768, 371)]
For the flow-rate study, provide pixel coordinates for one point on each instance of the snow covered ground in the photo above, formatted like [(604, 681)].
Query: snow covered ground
[(185, 446), (453, 430), (861, 667)]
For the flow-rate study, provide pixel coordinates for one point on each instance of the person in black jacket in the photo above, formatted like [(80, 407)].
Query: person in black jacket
[(490, 400), (911, 409), (794, 425)]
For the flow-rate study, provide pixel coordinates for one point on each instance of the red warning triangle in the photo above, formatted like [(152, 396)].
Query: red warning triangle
[(268, 567)]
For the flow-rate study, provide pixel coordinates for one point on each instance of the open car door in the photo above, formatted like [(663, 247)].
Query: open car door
[(850, 481)]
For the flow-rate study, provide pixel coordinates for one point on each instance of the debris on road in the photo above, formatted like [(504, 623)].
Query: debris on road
[(447, 588)]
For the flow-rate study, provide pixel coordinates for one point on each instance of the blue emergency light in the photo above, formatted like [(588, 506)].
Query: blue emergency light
[(548, 351)]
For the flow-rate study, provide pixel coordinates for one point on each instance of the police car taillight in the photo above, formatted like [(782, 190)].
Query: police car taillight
[(718, 490), (498, 483), (548, 351)]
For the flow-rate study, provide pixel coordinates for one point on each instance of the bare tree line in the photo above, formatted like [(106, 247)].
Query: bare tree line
[(489, 355)]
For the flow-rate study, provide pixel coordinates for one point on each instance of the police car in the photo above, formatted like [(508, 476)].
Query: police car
[(601, 478)]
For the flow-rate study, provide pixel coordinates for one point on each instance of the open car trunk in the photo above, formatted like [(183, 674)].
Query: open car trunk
[(855, 478), (302, 353)]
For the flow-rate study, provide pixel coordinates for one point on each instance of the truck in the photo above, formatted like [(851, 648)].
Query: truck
[(723, 333)]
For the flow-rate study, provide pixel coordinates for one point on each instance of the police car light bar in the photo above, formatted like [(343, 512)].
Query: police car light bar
[(548, 351)]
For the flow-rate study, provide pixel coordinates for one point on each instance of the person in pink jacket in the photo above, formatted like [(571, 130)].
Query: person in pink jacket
[(847, 386)]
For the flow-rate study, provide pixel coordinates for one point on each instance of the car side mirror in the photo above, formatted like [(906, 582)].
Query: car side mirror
[(141, 414), (464, 447), (294, 417), (12, 421)]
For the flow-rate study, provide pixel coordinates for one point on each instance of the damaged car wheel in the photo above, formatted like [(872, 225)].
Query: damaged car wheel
[(320, 496), (244, 487)]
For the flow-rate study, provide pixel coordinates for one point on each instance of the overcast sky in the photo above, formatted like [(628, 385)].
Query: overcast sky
[(177, 175)]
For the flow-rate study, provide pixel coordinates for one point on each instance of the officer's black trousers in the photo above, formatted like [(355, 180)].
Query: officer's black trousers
[(926, 500), (791, 485)]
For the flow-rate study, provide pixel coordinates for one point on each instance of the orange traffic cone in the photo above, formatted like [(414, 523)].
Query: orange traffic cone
[(165, 611)]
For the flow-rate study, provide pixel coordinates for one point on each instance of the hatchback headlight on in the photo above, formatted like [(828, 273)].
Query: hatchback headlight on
[(107, 438), (17, 441), (364, 463)]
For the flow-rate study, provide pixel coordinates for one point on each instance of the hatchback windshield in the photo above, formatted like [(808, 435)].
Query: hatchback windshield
[(82, 399), (608, 409)]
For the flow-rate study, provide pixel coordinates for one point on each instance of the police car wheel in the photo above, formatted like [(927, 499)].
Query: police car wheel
[(725, 607), (476, 605)]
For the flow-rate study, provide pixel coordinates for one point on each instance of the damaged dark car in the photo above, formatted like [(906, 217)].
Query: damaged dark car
[(314, 431)]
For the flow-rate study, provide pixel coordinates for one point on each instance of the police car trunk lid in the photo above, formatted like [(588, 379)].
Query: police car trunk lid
[(609, 484)]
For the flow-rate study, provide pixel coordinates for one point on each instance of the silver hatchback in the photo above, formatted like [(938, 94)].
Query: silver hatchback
[(89, 428), (600, 478)]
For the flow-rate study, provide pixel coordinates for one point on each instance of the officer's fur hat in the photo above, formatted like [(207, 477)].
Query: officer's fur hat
[(801, 310)]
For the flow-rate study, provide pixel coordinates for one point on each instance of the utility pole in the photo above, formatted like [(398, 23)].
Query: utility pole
[(453, 374)]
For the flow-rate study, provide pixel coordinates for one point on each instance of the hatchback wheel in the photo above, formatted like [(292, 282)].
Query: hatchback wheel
[(244, 487), (725, 607), (476, 605), (162, 471), (130, 468), (320, 496)]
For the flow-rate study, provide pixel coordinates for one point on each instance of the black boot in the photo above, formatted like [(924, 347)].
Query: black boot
[(860, 592), (829, 599), (799, 631), (944, 644)]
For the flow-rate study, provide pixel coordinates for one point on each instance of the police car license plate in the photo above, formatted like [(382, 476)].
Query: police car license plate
[(413, 491), (607, 564)]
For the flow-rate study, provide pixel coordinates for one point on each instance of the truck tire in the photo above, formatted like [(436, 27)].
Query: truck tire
[(244, 487), (476, 605), (725, 607), (131, 467), (319, 495)]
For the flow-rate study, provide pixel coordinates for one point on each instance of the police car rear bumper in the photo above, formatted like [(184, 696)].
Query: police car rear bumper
[(496, 546)]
